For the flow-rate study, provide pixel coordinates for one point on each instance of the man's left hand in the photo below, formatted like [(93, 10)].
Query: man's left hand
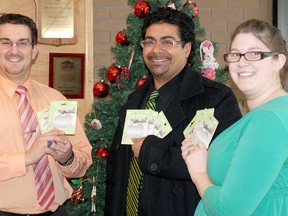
[(136, 146)]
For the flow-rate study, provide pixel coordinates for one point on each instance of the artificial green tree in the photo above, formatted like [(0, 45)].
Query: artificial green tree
[(117, 81)]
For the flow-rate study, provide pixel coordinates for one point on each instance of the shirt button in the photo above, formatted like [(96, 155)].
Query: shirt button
[(154, 167)]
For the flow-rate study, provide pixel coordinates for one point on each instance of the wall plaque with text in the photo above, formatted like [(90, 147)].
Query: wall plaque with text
[(57, 21)]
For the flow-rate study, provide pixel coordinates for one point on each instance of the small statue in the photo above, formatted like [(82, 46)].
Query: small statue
[(209, 62)]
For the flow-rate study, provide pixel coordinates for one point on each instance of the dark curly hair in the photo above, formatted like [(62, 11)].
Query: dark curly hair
[(168, 15), (19, 19)]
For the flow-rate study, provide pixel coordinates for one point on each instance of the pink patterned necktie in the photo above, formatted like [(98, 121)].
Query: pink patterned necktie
[(42, 171)]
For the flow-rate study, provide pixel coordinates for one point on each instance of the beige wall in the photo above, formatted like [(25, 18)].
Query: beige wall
[(40, 70), (101, 20), (219, 18)]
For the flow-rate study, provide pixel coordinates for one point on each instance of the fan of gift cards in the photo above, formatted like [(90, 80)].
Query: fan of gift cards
[(202, 127), (60, 114), (144, 122), (141, 123)]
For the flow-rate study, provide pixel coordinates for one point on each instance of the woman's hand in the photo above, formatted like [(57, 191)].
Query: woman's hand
[(195, 157)]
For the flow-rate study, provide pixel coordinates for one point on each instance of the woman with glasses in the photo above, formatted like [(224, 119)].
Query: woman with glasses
[(245, 171)]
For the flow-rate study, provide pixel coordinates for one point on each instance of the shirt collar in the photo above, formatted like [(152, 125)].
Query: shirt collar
[(10, 87), (170, 87)]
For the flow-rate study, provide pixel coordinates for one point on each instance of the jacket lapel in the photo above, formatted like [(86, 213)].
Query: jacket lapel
[(192, 85), (136, 97)]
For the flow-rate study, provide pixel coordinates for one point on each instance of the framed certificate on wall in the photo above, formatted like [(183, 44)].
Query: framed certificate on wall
[(66, 73), (57, 21)]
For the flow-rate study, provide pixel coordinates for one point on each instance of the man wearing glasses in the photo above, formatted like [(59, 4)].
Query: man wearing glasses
[(165, 187), (33, 166)]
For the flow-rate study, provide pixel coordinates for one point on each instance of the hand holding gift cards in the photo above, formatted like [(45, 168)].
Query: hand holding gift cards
[(202, 127), (141, 123), (61, 115)]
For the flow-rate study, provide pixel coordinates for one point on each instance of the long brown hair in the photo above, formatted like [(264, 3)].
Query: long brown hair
[(269, 35)]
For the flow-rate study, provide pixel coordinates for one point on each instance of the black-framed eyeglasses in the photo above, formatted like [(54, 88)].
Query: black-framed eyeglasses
[(164, 44), (249, 56), (21, 44)]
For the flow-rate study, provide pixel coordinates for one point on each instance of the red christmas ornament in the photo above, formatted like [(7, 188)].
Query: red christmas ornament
[(125, 72), (101, 89), (142, 8), (121, 38), (194, 6), (140, 82), (113, 74), (102, 152), (77, 195), (125, 69)]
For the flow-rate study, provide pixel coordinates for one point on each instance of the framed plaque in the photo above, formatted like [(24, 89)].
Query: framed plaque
[(57, 21), (66, 73), (280, 16)]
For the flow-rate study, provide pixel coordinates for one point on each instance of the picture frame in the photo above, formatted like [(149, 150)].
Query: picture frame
[(66, 73), (57, 21), (280, 16), (275, 12)]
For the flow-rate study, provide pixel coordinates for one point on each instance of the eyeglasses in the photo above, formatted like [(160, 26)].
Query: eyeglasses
[(249, 56), (164, 44), (21, 44)]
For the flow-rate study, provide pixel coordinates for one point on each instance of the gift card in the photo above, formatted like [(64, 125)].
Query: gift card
[(61, 115), (135, 126), (64, 115), (144, 122), (202, 127)]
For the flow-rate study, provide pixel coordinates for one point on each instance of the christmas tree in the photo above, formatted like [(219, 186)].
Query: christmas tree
[(117, 81)]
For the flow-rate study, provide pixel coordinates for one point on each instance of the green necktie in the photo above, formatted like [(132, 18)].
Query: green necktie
[(135, 174)]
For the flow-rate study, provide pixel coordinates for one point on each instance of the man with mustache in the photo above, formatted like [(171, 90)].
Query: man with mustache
[(165, 187)]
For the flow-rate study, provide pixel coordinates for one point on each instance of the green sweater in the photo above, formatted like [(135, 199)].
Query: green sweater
[(248, 165)]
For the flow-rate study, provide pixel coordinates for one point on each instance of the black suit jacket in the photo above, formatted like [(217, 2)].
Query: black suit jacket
[(167, 189)]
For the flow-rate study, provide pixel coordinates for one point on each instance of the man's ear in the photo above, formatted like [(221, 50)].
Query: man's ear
[(187, 48), (35, 51)]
